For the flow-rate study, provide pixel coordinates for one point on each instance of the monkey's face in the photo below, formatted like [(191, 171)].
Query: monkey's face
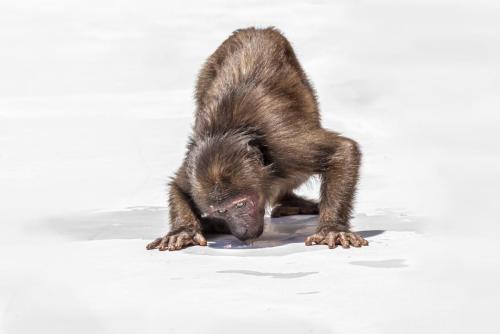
[(243, 215), (228, 179), (237, 199)]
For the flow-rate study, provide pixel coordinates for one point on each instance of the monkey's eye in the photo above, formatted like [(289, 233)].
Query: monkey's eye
[(222, 211), (240, 204)]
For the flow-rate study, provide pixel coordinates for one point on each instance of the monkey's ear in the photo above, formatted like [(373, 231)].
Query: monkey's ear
[(258, 143)]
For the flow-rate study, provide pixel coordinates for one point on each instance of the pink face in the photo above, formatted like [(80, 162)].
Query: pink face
[(243, 214)]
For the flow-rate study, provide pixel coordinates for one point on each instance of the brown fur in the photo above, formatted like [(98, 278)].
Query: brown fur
[(258, 131)]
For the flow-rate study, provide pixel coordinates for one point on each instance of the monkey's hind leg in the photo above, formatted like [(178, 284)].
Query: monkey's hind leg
[(340, 162), (291, 204)]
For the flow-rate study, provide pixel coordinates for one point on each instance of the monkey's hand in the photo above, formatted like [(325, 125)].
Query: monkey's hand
[(331, 237), (178, 239)]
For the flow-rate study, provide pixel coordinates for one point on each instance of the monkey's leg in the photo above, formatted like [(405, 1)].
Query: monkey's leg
[(291, 204), (340, 169), (185, 224)]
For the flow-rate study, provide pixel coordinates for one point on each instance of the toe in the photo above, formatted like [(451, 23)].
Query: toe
[(164, 243), (275, 213), (361, 240), (281, 211), (154, 244), (354, 240), (315, 238), (343, 240), (331, 240), (180, 241), (311, 239), (171, 242), (200, 239)]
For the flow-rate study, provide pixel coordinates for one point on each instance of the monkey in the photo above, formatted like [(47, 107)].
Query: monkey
[(257, 136)]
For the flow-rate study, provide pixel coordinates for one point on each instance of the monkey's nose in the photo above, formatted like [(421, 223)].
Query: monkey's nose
[(244, 237), (242, 233)]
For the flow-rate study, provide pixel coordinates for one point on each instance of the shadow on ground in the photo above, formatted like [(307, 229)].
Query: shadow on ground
[(150, 222)]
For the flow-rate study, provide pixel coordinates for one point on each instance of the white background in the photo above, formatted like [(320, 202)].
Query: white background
[(96, 103)]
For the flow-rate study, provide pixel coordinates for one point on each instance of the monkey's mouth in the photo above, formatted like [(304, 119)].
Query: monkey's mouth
[(248, 220), (247, 230), (244, 216)]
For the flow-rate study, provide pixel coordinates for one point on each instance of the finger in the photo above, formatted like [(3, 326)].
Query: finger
[(315, 238), (330, 240), (343, 240), (182, 240), (354, 240), (154, 244), (291, 210), (319, 238), (361, 241), (200, 239), (164, 243), (311, 239), (171, 242), (275, 213)]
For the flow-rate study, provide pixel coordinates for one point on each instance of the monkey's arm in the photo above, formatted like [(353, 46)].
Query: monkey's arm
[(339, 176), (185, 227)]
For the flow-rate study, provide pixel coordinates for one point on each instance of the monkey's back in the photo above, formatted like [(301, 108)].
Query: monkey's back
[(254, 80)]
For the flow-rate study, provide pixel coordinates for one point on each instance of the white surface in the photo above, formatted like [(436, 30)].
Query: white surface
[(95, 107)]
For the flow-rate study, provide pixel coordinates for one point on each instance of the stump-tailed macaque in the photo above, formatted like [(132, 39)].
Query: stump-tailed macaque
[(257, 136)]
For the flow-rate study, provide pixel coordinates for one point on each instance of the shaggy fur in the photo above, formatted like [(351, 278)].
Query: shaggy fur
[(258, 131)]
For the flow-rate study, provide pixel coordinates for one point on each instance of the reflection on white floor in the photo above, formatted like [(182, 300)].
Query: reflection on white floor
[(148, 223)]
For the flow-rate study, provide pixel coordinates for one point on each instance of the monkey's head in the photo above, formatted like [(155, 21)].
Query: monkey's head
[(228, 178)]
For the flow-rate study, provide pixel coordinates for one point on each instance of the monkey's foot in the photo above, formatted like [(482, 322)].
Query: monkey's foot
[(284, 210), (176, 240), (334, 238)]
